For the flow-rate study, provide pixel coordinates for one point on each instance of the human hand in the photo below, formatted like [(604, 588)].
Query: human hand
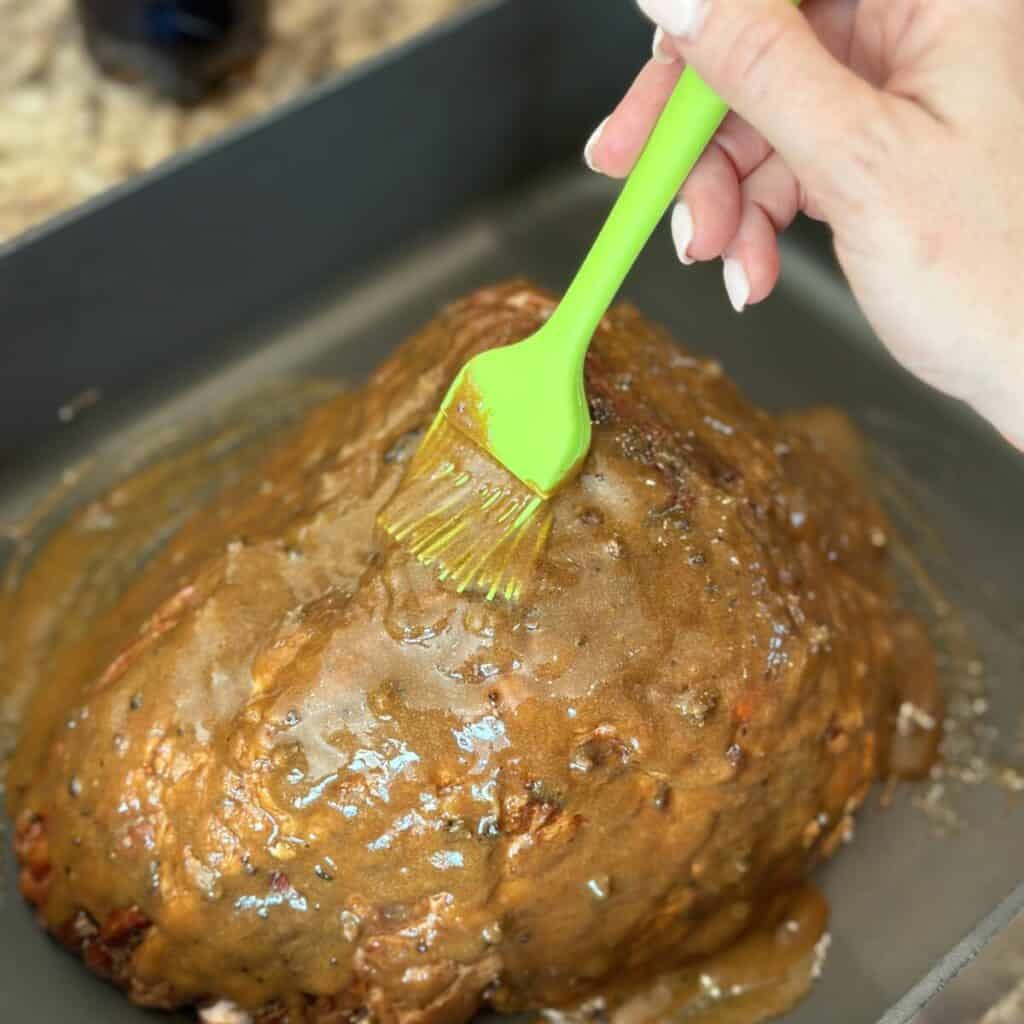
[(901, 124)]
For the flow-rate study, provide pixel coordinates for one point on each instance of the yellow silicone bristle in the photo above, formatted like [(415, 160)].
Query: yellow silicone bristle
[(462, 512)]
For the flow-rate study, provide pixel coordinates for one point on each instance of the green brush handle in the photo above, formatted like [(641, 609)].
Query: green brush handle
[(525, 404), (686, 126)]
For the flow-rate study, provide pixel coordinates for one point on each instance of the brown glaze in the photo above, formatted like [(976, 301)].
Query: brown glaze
[(289, 769), (763, 973)]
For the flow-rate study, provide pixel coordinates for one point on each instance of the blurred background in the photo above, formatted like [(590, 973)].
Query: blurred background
[(92, 92)]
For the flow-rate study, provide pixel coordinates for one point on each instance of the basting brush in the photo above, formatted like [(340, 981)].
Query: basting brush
[(515, 427)]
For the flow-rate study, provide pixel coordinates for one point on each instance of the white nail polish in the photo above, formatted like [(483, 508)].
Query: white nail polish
[(682, 232), (737, 284), (658, 51), (588, 149), (677, 17)]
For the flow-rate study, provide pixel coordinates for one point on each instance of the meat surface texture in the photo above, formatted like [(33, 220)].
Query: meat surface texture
[(287, 771)]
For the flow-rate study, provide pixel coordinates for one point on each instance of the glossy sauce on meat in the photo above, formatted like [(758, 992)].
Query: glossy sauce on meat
[(287, 768)]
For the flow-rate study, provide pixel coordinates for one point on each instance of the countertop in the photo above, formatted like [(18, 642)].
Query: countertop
[(67, 132)]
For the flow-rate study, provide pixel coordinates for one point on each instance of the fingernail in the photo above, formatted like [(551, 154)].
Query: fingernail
[(588, 149), (682, 231), (737, 284), (676, 17), (658, 51)]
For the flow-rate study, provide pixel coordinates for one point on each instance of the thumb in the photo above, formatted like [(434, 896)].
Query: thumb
[(765, 60)]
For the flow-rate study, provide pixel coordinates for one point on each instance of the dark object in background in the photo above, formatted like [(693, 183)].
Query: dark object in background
[(182, 48)]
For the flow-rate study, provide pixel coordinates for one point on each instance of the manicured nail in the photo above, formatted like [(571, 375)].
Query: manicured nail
[(737, 284), (682, 232), (677, 17), (588, 149), (658, 51)]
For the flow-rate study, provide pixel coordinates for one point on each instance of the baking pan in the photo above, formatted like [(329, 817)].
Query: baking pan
[(312, 243)]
